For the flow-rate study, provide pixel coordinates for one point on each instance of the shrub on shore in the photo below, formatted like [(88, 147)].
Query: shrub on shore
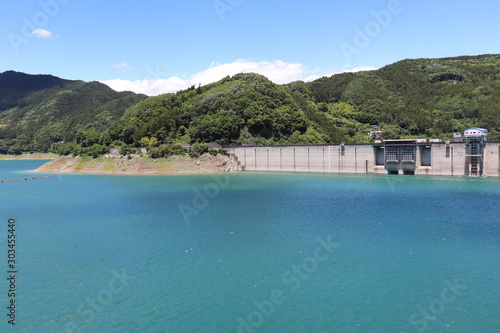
[(172, 149)]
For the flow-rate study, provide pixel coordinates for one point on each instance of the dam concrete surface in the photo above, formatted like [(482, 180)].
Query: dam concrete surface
[(475, 157)]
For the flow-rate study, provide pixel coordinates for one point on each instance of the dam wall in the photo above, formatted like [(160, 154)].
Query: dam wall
[(397, 156), (492, 159)]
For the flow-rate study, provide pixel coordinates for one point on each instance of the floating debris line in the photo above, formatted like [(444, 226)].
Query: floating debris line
[(28, 178)]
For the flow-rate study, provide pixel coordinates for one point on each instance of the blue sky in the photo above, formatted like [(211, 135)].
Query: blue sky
[(162, 46)]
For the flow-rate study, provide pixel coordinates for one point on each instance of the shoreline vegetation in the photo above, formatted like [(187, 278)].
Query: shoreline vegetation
[(127, 165), (410, 99)]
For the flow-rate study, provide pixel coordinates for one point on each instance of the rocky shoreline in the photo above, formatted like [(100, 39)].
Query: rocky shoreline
[(133, 165)]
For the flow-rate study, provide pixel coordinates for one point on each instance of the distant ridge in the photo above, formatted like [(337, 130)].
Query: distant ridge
[(17, 85), (412, 98), (415, 97), (39, 110), (21, 82)]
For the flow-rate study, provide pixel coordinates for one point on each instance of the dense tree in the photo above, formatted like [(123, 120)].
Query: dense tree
[(45, 110), (422, 97), (411, 98)]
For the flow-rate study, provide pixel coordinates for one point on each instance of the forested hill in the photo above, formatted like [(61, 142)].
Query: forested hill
[(421, 97), (16, 86), (430, 98), (245, 108), (37, 111)]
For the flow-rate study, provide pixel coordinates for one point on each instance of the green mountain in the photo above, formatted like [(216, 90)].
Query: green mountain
[(412, 98), (421, 97), (37, 111), (245, 108), (430, 98)]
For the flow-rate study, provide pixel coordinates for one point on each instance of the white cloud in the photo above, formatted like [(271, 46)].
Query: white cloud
[(277, 71), (150, 87), (42, 33), (362, 69), (123, 65)]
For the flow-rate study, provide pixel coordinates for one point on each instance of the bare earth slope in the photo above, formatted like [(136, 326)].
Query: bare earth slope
[(136, 165)]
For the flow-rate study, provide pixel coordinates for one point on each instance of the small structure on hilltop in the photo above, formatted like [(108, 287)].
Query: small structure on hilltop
[(377, 134), (476, 132), (475, 141)]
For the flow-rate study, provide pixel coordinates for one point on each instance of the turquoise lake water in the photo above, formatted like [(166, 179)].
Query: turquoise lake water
[(251, 252)]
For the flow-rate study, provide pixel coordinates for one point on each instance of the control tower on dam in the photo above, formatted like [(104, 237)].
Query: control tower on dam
[(415, 157)]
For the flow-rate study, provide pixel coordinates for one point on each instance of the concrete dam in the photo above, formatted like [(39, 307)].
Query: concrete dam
[(474, 158)]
